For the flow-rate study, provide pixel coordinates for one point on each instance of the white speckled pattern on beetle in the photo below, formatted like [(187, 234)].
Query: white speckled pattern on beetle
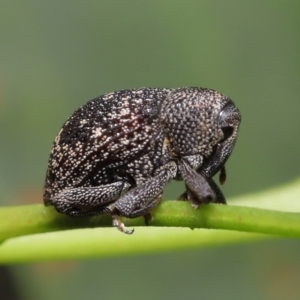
[(116, 153)]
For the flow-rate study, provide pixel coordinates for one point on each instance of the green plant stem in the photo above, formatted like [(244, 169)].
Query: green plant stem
[(29, 219), (38, 233)]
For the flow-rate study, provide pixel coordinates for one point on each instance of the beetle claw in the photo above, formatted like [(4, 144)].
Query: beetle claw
[(120, 225), (148, 218)]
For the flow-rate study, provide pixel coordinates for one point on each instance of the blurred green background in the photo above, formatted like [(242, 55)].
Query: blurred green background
[(56, 55)]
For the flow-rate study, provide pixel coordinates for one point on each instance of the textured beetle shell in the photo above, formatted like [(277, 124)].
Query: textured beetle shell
[(130, 134), (111, 136)]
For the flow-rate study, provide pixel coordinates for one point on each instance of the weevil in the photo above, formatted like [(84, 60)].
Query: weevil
[(116, 153)]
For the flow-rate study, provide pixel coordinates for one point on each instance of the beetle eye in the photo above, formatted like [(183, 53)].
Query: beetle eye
[(227, 132)]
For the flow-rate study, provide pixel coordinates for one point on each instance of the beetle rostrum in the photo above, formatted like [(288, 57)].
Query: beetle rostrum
[(117, 152)]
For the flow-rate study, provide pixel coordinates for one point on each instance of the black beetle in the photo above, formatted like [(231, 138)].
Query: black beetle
[(116, 153)]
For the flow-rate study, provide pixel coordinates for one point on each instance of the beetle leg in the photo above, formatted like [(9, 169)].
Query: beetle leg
[(142, 199), (222, 177), (192, 197), (196, 183), (120, 225), (148, 217), (219, 197), (88, 201), (183, 196)]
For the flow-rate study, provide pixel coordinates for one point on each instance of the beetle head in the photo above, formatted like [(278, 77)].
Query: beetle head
[(202, 122), (228, 122)]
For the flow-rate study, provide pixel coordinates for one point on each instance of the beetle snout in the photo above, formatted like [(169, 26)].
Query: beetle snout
[(229, 121)]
